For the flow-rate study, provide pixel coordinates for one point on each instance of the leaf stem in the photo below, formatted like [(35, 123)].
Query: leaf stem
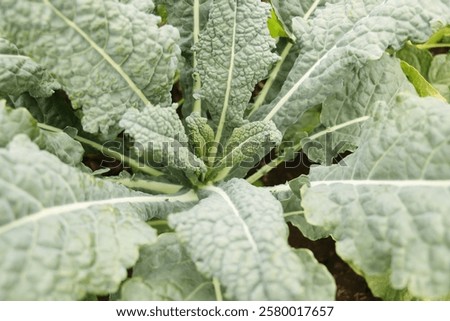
[(277, 161), (134, 164), (159, 187), (273, 164), (217, 289), (433, 45), (180, 102), (279, 188), (293, 213), (273, 76), (195, 35), (158, 223), (438, 35), (311, 9), (266, 169), (286, 97)]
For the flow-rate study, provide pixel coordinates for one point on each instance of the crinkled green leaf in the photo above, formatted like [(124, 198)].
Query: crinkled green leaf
[(246, 146), (288, 49), (343, 35), (20, 74), (15, 122), (439, 74), (276, 28), (19, 121), (180, 14), (143, 5), (159, 133), (392, 197), (200, 134), (418, 58), (237, 234), (288, 9), (107, 55), (231, 64), (146, 183), (440, 36), (27, 84), (422, 86), (282, 73), (62, 145), (320, 284), (165, 271), (292, 139), (380, 286), (67, 233), (54, 110), (345, 112)]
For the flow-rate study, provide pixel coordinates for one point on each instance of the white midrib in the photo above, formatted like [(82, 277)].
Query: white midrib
[(236, 213), (101, 52), (399, 183), (223, 115), (288, 95), (11, 56), (297, 85), (340, 126), (311, 9), (67, 208), (195, 36)]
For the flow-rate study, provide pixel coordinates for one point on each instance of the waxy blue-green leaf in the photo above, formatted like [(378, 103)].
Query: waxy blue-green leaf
[(288, 49), (418, 58), (237, 234), (345, 112), (54, 110), (388, 207), (18, 121), (234, 53), (20, 74), (64, 233), (343, 35), (164, 272), (246, 146), (180, 14), (107, 55), (189, 17), (292, 53), (439, 74), (289, 196), (159, 133), (200, 134)]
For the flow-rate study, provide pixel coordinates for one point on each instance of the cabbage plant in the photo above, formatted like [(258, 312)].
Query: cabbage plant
[(176, 210)]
